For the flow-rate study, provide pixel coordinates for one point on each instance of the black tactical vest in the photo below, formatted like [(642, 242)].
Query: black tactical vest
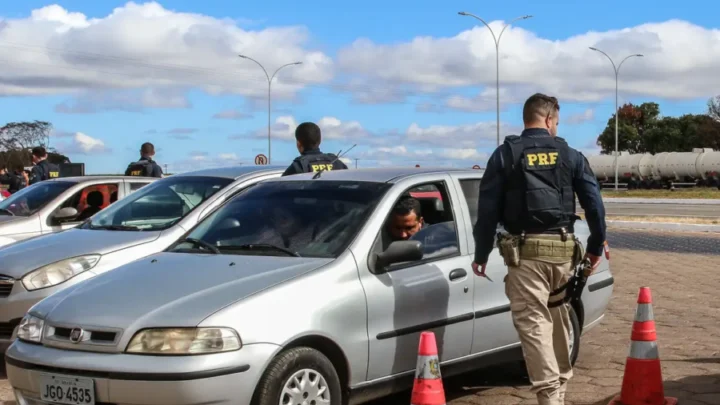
[(53, 171), (539, 196), (311, 163), (141, 168)]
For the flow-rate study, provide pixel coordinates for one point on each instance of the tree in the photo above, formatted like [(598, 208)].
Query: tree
[(17, 138), (634, 122), (641, 130), (714, 108)]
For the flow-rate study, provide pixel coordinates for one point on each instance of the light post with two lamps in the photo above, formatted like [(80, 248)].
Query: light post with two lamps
[(617, 113), (497, 60), (269, 79)]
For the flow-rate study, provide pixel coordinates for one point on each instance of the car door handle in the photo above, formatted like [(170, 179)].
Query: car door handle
[(457, 274)]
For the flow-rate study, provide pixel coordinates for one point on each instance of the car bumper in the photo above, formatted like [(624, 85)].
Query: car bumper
[(226, 378), (14, 307)]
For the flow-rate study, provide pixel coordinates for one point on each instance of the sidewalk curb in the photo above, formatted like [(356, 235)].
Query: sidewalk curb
[(683, 201), (664, 226)]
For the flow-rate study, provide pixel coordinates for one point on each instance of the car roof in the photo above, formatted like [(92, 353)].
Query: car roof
[(84, 179), (377, 174), (232, 172)]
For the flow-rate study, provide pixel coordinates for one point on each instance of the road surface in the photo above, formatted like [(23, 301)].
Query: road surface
[(660, 210)]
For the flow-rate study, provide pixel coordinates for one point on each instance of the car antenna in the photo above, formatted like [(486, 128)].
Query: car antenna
[(339, 155)]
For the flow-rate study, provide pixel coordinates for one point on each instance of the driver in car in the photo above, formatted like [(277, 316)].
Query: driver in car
[(405, 219)]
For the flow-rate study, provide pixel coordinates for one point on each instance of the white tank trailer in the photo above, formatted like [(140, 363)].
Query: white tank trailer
[(700, 168)]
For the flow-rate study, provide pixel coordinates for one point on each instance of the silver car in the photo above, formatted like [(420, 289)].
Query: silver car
[(146, 222), (290, 293), (59, 204)]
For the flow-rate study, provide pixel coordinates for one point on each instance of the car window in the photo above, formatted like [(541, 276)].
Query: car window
[(160, 204), (91, 199), (33, 198), (307, 218), (471, 192), (438, 231)]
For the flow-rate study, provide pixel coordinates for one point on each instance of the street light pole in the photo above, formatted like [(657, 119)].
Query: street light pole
[(269, 79), (497, 60), (617, 117)]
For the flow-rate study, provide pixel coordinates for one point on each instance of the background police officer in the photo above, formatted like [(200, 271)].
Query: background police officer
[(311, 159), (146, 166), (529, 186), (43, 170)]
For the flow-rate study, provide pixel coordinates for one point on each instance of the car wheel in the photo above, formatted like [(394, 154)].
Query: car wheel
[(574, 337), (299, 376)]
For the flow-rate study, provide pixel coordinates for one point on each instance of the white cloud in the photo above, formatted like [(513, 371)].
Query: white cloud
[(231, 115), (579, 118), (681, 61), (197, 160), (133, 100), (145, 45), (460, 136), (401, 155), (330, 127), (79, 143)]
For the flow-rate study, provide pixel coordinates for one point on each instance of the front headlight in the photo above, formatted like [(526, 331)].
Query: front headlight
[(30, 328), (59, 272), (179, 341)]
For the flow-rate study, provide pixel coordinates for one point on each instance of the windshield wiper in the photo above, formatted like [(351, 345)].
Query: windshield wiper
[(116, 227), (12, 214), (202, 243), (265, 246)]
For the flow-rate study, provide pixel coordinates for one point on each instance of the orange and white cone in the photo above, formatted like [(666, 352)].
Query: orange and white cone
[(428, 387), (642, 381)]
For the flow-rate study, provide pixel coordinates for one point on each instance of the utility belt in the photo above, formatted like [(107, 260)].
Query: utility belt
[(514, 248)]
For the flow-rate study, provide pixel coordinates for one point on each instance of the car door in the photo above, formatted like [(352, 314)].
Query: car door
[(432, 294), (493, 327)]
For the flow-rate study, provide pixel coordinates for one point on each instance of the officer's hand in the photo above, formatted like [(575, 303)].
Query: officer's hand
[(479, 270), (594, 260)]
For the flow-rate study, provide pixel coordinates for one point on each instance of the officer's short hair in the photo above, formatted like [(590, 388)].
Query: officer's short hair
[(539, 106), (308, 134), (39, 152), (147, 149), (406, 205)]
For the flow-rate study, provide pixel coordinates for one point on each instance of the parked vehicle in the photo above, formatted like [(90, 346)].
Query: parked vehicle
[(60, 204), (144, 223), (289, 293)]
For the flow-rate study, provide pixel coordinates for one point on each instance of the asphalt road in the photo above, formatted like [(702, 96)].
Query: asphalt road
[(660, 210)]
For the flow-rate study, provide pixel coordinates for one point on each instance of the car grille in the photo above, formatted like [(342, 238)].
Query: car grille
[(6, 328), (102, 337), (6, 285)]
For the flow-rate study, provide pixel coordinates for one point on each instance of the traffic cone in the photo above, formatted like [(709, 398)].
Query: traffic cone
[(428, 386), (642, 381)]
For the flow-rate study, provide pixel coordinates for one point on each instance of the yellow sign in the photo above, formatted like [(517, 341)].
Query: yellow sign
[(136, 173), (54, 174), (325, 167), (542, 159)]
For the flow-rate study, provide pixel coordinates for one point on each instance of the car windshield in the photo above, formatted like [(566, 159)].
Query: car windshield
[(33, 198), (159, 205), (290, 218)]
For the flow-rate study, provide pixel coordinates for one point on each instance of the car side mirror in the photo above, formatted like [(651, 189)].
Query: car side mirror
[(398, 252), (65, 214)]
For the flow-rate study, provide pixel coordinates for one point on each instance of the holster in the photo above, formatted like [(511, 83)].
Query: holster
[(509, 248)]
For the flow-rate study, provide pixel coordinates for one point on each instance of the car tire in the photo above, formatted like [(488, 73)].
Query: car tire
[(575, 331), (303, 365)]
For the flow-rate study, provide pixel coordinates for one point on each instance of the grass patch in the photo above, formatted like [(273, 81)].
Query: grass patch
[(703, 193)]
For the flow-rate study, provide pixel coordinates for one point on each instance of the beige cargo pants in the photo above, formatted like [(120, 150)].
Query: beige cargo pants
[(545, 265)]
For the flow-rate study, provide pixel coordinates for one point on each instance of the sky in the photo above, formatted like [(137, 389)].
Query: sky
[(406, 82)]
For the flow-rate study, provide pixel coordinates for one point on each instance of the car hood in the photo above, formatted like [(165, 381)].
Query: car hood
[(169, 290), (19, 258)]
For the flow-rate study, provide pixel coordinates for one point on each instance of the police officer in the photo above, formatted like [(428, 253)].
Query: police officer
[(42, 169), (311, 159), (146, 166), (17, 180), (529, 186)]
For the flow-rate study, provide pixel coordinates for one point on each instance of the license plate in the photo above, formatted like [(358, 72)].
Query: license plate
[(57, 389)]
